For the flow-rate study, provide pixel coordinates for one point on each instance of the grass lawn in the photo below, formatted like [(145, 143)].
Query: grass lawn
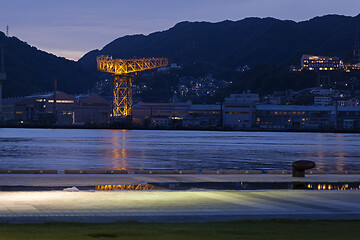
[(249, 230)]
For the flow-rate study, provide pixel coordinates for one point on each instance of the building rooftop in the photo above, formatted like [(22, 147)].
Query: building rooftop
[(201, 107), (14, 100), (272, 107), (43, 95), (313, 57)]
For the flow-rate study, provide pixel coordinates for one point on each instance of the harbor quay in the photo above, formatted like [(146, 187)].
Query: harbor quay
[(69, 202), (111, 179)]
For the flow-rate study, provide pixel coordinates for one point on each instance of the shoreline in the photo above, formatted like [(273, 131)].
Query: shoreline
[(133, 179), (182, 129)]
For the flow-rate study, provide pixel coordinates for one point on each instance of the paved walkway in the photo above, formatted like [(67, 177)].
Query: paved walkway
[(102, 179), (177, 205)]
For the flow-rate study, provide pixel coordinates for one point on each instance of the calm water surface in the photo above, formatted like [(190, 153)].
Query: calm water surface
[(62, 149)]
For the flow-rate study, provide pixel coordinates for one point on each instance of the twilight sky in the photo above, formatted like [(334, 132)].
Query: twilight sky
[(70, 28)]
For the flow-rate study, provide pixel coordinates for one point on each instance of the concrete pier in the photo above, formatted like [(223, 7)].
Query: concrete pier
[(101, 179)]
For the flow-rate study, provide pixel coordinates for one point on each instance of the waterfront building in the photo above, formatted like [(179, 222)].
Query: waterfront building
[(29, 110), (8, 112), (174, 115), (205, 116), (240, 110), (163, 115), (307, 117), (68, 110), (62, 109), (322, 63), (20, 110), (92, 110)]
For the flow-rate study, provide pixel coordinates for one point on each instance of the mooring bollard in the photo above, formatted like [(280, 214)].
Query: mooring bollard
[(300, 166)]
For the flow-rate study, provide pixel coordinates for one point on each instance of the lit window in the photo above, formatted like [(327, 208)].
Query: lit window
[(61, 101)]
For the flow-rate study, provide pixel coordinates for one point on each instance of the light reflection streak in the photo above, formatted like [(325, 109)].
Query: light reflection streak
[(119, 152), (135, 187), (328, 186)]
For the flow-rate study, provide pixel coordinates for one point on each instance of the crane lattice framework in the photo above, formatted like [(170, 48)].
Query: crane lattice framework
[(121, 68)]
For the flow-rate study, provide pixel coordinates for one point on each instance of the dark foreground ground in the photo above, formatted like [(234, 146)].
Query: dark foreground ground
[(250, 230)]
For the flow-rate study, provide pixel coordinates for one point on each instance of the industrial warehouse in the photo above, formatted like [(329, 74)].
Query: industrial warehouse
[(42, 109)]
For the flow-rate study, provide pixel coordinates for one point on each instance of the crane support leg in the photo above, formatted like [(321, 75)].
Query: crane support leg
[(122, 102)]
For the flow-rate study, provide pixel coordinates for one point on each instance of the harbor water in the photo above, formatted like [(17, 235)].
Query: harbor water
[(84, 149)]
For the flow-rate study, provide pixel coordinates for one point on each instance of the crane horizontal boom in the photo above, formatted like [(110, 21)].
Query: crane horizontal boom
[(124, 66)]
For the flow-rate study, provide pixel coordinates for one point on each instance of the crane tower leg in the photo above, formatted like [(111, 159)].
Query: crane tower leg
[(122, 99)]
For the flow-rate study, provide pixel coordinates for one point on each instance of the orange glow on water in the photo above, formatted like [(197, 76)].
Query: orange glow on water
[(333, 187)]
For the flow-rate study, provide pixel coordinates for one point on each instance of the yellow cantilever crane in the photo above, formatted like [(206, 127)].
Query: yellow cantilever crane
[(122, 91)]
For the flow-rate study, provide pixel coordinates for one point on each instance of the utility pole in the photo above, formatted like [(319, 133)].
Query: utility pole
[(336, 114), (221, 115), (7, 30), (55, 110), (356, 50), (2, 69), (2, 74)]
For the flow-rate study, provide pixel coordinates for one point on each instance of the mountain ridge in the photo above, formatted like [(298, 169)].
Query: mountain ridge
[(248, 41), (31, 70)]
